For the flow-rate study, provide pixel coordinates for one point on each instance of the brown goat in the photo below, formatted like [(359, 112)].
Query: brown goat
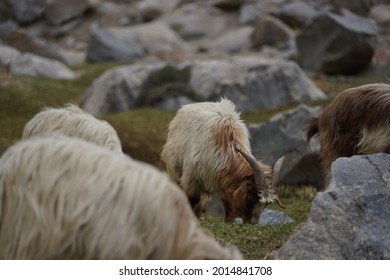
[(356, 122), (208, 152)]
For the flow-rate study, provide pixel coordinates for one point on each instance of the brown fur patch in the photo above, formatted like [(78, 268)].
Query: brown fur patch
[(342, 124)]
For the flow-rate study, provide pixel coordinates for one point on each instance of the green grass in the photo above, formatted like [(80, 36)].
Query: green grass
[(255, 241), (142, 133), (22, 97)]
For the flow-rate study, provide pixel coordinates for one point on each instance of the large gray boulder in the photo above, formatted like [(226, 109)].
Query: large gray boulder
[(283, 135), (26, 42), (358, 7), (233, 41), (249, 13), (105, 45), (125, 44), (254, 83), (37, 66), (154, 37), (6, 28), (251, 83), (337, 43), (117, 89), (8, 55), (26, 11), (61, 11), (297, 14), (350, 220), (253, 10), (381, 15), (196, 20), (271, 31), (152, 9)]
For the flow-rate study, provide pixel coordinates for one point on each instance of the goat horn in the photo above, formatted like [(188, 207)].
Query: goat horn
[(276, 171), (257, 172)]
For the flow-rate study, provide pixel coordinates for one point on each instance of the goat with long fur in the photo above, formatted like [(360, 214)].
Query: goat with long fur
[(65, 198), (356, 122), (73, 122), (207, 151)]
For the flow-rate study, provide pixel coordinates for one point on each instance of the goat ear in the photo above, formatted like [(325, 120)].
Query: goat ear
[(239, 196)]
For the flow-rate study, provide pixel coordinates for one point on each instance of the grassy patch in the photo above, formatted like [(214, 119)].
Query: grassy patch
[(21, 97), (335, 84), (258, 116), (142, 132), (254, 241)]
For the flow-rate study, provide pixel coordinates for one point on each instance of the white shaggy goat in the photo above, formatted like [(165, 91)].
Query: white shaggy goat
[(74, 122), (207, 151), (65, 198), (356, 122)]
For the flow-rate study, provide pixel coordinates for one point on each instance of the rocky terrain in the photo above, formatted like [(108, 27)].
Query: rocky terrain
[(350, 220), (331, 37)]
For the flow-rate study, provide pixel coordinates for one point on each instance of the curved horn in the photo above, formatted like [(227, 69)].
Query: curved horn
[(276, 171), (257, 172)]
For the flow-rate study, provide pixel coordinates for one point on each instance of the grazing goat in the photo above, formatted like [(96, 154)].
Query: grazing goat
[(207, 151), (74, 122), (65, 198), (356, 122)]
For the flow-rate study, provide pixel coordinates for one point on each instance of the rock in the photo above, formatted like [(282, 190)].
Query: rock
[(350, 220), (7, 28), (254, 84), (115, 14), (283, 135), (167, 88), (250, 13), (33, 65), (206, 75), (173, 103), (271, 31), (358, 7), (106, 45), (73, 58), (268, 217), (7, 55), (337, 44), (249, 82), (152, 9), (57, 31), (117, 89), (155, 37), (194, 21), (234, 41), (297, 14), (381, 15), (25, 42), (61, 11), (26, 11), (271, 217)]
